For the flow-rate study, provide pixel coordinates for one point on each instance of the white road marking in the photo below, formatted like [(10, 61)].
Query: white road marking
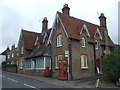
[(29, 85), (12, 80)]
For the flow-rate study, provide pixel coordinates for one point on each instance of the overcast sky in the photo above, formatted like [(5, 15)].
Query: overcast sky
[(28, 14)]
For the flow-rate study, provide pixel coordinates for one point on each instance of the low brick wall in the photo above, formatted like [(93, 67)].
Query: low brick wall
[(10, 69)]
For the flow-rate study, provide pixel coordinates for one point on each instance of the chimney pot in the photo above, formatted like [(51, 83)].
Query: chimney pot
[(66, 9), (102, 20), (44, 25)]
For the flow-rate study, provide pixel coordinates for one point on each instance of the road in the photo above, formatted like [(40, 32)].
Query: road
[(14, 81)]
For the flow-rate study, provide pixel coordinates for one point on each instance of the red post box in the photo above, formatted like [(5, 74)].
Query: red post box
[(47, 71)]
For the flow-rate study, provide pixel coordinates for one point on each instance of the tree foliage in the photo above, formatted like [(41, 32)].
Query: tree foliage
[(112, 64)]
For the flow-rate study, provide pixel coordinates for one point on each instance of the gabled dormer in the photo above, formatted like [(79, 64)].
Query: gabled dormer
[(37, 42), (44, 38), (98, 34), (85, 30)]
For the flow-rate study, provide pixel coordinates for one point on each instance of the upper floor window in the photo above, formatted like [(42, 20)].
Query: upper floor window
[(59, 40), (83, 42), (12, 54), (84, 63), (22, 50), (96, 44)]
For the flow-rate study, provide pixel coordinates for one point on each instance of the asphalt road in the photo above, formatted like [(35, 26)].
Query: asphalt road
[(13, 81)]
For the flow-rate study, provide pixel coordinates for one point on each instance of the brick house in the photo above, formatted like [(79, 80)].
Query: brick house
[(34, 53), (78, 46), (11, 55)]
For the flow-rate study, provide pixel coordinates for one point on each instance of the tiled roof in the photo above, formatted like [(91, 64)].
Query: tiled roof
[(42, 49), (29, 39), (73, 27)]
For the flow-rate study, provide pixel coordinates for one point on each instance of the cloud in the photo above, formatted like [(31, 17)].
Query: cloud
[(28, 14)]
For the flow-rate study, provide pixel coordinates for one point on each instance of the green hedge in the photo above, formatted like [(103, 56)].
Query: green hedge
[(9, 65)]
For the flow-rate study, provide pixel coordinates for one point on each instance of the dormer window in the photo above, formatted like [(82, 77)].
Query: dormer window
[(96, 44), (85, 30), (36, 41), (59, 40), (97, 33), (83, 42)]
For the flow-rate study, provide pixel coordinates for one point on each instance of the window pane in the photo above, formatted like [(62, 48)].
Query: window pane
[(41, 62), (47, 61), (83, 42), (59, 40), (58, 57), (84, 61), (38, 63)]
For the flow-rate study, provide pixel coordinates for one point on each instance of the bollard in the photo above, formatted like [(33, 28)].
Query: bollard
[(97, 83)]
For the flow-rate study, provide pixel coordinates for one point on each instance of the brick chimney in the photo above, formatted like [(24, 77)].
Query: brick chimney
[(103, 20), (66, 9), (44, 25)]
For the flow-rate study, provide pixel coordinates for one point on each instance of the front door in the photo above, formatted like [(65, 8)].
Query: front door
[(62, 70)]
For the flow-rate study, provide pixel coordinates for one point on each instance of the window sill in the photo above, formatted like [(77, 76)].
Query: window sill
[(84, 68), (59, 46), (83, 47), (56, 68)]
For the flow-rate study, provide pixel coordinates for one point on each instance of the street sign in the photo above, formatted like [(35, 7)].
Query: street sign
[(66, 53)]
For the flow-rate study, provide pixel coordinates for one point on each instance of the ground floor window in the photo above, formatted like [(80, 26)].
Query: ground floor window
[(38, 63), (21, 64), (58, 57), (28, 64), (84, 62)]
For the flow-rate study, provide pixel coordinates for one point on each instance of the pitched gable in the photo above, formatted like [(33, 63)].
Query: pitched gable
[(73, 27), (97, 33), (84, 29)]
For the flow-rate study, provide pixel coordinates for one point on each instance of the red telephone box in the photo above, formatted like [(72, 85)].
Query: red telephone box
[(62, 70)]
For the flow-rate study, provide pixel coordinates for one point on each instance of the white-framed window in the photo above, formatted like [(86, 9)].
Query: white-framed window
[(96, 44), (58, 57), (12, 62), (84, 62), (47, 62), (83, 42), (38, 63), (59, 40), (8, 56), (28, 64), (21, 49), (21, 64), (12, 54), (17, 54)]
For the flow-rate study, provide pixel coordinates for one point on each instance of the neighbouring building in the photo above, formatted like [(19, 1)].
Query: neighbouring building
[(78, 46), (11, 55), (34, 53)]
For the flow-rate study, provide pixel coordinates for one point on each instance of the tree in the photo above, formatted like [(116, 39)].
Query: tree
[(112, 64)]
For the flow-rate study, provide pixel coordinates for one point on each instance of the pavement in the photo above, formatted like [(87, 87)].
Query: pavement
[(83, 83)]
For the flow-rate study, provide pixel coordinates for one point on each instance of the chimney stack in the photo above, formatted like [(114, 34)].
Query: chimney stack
[(44, 25), (66, 9), (102, 20)]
